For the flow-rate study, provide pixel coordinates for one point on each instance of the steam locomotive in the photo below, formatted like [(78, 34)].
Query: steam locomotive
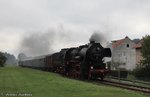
[(85, 61)]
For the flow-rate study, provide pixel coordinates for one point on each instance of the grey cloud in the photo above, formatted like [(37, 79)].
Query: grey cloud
[(79, 17)]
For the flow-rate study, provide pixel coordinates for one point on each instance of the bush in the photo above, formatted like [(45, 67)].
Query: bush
[(2, 60), (142, 73)]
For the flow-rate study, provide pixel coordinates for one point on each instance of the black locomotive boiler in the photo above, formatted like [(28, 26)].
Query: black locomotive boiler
[(85, 61)]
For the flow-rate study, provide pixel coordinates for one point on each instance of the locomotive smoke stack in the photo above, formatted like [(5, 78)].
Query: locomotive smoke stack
[(92, 42)]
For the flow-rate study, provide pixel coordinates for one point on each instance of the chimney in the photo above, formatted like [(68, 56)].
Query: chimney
[(126, 37)]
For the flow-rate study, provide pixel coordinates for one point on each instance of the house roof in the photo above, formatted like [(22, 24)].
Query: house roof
[(118, 42), (138, 45)]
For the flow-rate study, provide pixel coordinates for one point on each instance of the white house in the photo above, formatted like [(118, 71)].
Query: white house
[(123, 54)]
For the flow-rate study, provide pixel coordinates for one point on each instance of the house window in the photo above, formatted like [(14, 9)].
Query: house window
[(127, 45)]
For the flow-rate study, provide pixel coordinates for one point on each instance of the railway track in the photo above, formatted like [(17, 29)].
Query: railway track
[(145, 90), (127, 86)]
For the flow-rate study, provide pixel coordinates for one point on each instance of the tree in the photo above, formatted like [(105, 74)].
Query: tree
[(11, 59), (2, 59), (146, 51), (143, 71)]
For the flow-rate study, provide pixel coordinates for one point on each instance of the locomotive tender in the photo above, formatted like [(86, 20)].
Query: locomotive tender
[(85, 62)]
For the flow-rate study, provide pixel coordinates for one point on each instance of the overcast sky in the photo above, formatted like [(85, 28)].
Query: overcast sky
[(70, 22)]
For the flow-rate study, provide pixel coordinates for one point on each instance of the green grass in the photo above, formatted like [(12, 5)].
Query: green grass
[(44, 84)]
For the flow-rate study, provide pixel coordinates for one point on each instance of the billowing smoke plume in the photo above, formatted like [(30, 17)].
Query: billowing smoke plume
[(42, 43), (37, 43), (97, 36)]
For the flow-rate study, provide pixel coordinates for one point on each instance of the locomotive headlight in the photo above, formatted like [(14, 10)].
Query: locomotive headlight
[(91, 67), (106, 67), (98, 48)]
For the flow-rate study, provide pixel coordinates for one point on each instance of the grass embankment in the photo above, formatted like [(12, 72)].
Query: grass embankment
[(15, 80)]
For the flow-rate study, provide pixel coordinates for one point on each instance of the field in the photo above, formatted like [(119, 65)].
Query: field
[(17, 81)]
